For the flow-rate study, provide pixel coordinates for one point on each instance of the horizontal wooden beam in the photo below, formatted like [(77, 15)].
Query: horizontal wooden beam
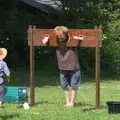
[(90, 37)]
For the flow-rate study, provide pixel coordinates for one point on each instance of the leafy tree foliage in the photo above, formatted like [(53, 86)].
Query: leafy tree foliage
[(76, 14)]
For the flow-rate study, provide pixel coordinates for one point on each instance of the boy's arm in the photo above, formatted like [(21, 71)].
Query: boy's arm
[(79, 39), (6, 72), (45, 39)]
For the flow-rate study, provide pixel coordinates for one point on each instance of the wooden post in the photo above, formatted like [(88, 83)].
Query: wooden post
[(97, 72), (32, 95), (92, 40)]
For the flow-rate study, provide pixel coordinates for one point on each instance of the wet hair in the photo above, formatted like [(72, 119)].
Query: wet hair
[(61, 30)]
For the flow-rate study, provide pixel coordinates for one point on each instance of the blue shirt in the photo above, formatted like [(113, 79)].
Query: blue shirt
[(4, 70)]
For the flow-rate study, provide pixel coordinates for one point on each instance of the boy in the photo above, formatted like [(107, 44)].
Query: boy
[(4, 72), (68, 65)]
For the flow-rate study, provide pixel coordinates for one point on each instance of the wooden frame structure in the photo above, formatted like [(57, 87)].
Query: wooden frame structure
[(92, 38)]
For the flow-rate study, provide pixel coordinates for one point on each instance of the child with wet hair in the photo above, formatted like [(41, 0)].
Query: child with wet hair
[(68, 65)]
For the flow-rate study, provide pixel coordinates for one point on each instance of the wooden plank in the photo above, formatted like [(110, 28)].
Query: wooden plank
[(31, 77), (90, 37)]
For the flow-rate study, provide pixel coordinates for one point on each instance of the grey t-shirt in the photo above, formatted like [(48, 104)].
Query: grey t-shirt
[(67, 59)]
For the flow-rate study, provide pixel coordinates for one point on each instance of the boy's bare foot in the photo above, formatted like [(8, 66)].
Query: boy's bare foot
[(67, 105), (72, 105)]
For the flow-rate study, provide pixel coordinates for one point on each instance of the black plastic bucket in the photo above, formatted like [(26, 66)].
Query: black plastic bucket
[(113, 107)]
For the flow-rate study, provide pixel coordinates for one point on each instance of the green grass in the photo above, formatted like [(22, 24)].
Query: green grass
[(48, 89), (55, 110)]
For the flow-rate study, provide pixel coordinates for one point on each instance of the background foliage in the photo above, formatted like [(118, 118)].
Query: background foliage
[(15, 19)]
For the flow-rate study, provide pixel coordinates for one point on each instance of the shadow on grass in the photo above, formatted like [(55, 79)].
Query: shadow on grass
[(78, 104), (7, 117), (82, 104)]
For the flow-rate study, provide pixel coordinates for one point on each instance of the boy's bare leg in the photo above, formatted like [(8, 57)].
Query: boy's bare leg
[(67, 97), (72, 97)]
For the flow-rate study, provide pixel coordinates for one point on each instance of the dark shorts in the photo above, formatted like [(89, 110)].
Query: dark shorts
[(70, 79)]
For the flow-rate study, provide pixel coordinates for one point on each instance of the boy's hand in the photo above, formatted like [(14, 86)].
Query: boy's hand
[(81, 37), (45, 39), (7, 79)]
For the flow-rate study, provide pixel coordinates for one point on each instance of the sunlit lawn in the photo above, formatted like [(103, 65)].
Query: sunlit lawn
[(50, 101), (50, 104)]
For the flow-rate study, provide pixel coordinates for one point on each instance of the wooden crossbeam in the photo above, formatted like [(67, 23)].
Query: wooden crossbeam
[(91, 37)]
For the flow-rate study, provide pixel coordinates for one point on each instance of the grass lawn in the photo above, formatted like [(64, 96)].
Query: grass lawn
[(48, 89)]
